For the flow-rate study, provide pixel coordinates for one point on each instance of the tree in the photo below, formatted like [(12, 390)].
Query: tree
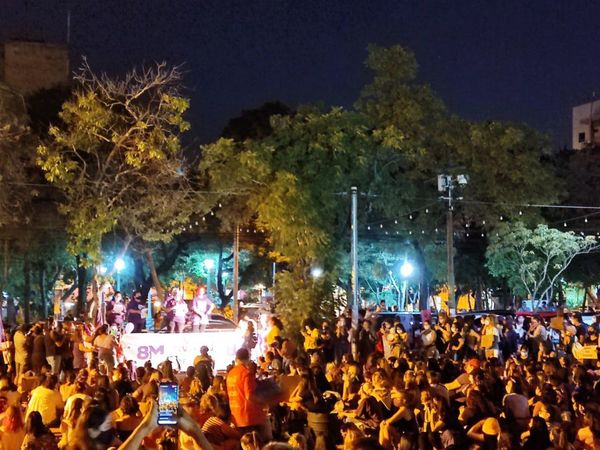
[(16, 156), (391, 145), (533, 260), (117, 159)]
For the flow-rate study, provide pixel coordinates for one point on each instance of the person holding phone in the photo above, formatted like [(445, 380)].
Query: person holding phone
[(185, 423)]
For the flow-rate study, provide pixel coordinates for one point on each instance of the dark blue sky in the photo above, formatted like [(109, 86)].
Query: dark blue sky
[(526, 61)]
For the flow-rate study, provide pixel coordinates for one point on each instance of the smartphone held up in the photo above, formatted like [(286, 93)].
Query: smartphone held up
[(168, 403)]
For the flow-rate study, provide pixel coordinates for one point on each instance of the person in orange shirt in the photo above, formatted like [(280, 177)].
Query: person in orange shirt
[(247, 410)]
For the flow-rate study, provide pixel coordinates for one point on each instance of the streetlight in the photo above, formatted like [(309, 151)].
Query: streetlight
[(316, 272), (119, 266), (406, 270), (209, 265)]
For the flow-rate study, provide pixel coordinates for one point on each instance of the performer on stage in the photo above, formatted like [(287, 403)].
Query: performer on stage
[(202, 308), (134, 312), (116, 310)]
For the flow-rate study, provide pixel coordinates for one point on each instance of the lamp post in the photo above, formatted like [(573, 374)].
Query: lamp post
[(149, 316), (209, 264), (119, 266)]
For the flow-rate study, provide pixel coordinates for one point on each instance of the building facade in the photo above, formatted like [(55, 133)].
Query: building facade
[(28, 66), (586, 125)]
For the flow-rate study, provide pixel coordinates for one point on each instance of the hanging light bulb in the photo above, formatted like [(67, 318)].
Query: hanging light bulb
[(426, 210), (220, 206), (396, 222), (520, 213), (369, 227), (212, 213), (204, 219), (483, 222), (410, 232), (467, 234), (196, 223), (586, 221), (410, 216), (380, 225), (422, 231), (386, 233), (501, 217), (565, 224)]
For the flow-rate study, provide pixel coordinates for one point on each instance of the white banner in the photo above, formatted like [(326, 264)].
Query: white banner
[(181, 348)]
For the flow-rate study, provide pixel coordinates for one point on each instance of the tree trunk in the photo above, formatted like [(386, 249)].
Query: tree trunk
[(26, 287), (81, 287), (42, 282), (223, 297), (154, 275), (139, 274)]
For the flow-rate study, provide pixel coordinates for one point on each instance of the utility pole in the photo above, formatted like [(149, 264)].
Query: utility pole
[(273, 283), (236, 274), (450, 250), (354, 259), (447, 183)]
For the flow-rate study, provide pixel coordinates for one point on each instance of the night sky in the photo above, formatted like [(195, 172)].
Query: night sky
[(527, 61)]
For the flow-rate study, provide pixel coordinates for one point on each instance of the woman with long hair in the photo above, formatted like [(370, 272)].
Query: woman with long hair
[(221, 435), (12, 430), (37, 435), (94, 430), (68, 424)]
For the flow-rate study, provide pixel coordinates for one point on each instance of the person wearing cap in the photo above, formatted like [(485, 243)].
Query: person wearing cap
[(485, 432)]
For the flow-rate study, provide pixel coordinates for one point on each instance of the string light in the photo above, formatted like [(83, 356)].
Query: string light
[(196, 223), (586, 221), (380, 225), (369, 227), (426, 210), (483, 222), (396, 222), (520, 213), (410, 217), (501, 218), (220, 206), (565, 224), (212, 213), (436, 230)]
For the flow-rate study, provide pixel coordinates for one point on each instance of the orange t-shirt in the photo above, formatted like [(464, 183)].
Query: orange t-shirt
[(241, 385)]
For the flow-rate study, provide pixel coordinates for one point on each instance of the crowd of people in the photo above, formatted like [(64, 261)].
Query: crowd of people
[(446, 382)]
